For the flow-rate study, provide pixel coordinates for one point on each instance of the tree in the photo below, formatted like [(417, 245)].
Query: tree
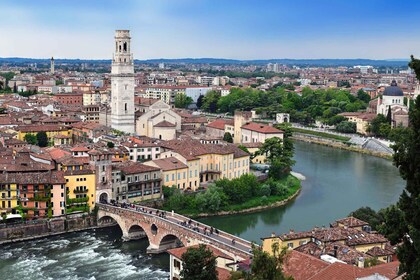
[(267, 267), (42, 139), (228, 137), (346, 127), (278, 155), (30, 138), (367, 214), (375, 124), (407, 159), (200, 101), (198, 264), (182, 101), (110, 144), (210, 101), (389, 116), (363, 96)]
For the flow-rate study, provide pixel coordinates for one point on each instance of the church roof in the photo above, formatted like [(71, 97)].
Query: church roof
[(393, 90)]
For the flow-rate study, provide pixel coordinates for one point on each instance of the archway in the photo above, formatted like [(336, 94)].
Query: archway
[(170, 241), (103, 198), (154, 229), (136, 232)]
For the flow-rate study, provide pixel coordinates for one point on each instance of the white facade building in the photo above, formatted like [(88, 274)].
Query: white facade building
[(122, 84)]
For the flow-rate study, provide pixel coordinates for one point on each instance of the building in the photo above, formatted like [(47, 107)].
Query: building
[(361, 119), (33, 194), (134, 182), (158, 122), (216, 161), (223, 262), (75, 98), (174, 172), (52, 66), (255, 132), (350, 234), (80, 189), (393, 99), (122, 84), (219, 127), (51, 130)]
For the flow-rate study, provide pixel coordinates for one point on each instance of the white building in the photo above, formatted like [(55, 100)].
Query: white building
[(393, 98), (195, 92), (122, 84)]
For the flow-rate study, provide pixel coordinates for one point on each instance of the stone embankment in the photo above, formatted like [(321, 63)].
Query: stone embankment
[(44, 228), (339, 145)]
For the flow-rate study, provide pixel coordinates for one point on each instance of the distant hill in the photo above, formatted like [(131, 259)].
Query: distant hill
[(298, 62)]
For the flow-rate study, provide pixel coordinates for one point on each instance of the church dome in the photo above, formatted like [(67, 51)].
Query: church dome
[(393, 90)]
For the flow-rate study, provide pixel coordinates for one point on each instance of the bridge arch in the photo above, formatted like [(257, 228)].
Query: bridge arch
[(170, 241)]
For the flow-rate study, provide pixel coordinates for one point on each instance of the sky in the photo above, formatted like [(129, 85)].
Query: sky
[(235, 29)]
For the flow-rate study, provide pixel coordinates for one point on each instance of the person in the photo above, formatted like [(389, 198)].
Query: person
[(233, 241)]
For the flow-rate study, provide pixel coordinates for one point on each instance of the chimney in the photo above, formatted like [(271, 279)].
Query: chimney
[(335, 251), (361, 262), (273, 234)]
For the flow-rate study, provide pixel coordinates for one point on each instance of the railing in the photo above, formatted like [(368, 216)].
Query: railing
[(181, 218)]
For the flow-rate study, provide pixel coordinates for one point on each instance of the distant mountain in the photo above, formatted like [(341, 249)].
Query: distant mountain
[(298, 62)]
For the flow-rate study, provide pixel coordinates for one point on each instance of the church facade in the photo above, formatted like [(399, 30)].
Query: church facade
[(393, 99)]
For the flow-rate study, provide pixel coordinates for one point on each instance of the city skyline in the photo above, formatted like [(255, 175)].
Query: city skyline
[(243, 30)]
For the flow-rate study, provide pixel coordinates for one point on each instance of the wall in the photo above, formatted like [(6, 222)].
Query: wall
[(44, 228)]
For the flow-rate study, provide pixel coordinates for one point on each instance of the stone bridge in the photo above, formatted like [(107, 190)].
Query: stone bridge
[(169, 231)]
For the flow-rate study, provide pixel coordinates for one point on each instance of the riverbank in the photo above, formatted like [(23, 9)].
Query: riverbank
[(45, 228), (339, 145), (222, 201), (250, 210)]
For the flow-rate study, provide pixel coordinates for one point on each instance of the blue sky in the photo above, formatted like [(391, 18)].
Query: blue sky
[(239, 29)]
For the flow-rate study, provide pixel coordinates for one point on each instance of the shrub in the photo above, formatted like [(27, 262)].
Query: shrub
[(265, 190)]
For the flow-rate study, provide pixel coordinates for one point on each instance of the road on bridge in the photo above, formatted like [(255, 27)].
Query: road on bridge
[(195, 226)]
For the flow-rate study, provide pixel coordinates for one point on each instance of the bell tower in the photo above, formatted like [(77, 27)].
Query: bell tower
[(122, 84)]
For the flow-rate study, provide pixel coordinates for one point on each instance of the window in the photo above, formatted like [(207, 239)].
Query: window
[(290, 245), (167, 178)]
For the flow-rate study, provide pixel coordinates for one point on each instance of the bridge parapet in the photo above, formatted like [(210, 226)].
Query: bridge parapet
[(158, 224)]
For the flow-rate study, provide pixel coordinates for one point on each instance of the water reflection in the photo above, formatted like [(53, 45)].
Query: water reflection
[(337, 182)]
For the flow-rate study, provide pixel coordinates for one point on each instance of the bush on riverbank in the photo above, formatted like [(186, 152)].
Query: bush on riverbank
[(231, 195)]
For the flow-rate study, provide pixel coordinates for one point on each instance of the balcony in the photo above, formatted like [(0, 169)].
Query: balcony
[(80, 191), (9, 197)]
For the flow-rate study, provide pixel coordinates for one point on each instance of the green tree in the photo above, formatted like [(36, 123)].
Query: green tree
[(375, 124), (210, 101), (200, 101), (346, 127), (389, 116), (110, 144), (407, 159), (30, 138), (415, 65), (182, 101), (42, 139), (278, 155), (267, 267), (363, 96), (198, 264), (228, 137), (367, 214)]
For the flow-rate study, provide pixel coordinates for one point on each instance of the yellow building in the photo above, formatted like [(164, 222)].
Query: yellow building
[(8, 196), (193, 174), (80, 190), (50, 130), (174, 172), (216, 161)]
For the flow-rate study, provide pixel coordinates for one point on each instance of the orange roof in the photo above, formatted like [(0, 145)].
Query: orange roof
[(220, 124), (261, 128)]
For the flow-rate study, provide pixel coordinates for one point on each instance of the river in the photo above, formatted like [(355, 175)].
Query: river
[(337, 182)]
